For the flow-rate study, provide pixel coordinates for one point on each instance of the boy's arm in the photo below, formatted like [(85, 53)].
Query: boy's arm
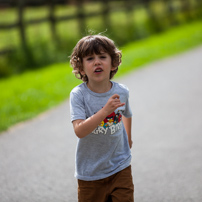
[(128, 125), (84, 127)]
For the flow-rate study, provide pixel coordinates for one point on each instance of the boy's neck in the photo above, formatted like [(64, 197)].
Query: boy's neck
[(100, 88)]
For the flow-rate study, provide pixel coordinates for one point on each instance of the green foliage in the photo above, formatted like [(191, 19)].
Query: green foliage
[(26, 95)]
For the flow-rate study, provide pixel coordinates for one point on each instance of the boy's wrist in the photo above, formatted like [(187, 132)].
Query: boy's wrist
[(130, 143), (104, 112)]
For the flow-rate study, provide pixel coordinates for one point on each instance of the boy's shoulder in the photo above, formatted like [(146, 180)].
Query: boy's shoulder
[(79, 88), (78, 92), (121, 86)]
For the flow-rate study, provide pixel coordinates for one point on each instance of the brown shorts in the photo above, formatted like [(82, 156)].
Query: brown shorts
[(116, 188)]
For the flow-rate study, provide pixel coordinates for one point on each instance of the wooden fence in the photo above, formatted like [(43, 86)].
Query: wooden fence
[(129, 5)]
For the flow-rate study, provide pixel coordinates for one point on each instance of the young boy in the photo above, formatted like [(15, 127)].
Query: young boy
[(101, 118)]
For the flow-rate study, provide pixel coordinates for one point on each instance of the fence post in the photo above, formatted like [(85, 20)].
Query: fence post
[(21, 23), (171, 13), (105, 13), (28, 55), (199, 10), (129, 5), (81, 16), (52, 20), (154, 24), (185, 7)]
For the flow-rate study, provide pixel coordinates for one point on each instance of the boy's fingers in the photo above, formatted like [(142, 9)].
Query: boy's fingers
[(115, 96), (120, 105)]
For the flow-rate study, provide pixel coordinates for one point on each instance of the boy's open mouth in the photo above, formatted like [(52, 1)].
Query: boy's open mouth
[(97, 70)]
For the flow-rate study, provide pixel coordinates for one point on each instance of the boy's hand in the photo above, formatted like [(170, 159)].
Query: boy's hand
[(112, 104), (130, 142)]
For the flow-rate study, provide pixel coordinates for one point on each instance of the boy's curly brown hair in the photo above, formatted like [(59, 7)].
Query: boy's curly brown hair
[(94, 44)]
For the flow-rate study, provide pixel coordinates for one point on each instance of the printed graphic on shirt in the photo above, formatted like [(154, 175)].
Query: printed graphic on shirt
[(112, 122)]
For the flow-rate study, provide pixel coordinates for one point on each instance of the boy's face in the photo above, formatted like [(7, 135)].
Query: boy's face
[(97, 67)]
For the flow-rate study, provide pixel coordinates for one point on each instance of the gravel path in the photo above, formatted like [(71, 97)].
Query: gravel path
[(37, 157)]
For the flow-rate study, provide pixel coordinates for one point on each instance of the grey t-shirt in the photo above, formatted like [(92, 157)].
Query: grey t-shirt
[(105, 151)]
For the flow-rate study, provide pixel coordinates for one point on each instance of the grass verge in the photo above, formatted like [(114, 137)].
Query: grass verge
[(24, 96)]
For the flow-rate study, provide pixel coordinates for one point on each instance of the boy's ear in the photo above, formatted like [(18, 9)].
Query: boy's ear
[(82, 72), (113, 68)]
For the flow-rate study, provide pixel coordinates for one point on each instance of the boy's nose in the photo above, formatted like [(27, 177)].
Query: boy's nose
[(97, 61)]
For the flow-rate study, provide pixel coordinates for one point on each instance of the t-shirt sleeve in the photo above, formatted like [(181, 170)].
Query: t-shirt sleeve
[(127, 112), (77, 106)]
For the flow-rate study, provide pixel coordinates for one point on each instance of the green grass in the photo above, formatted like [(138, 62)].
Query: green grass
[(26, 95), (159, 46)]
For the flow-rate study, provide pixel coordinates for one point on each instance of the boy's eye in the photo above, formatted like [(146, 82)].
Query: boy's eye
[(90, 58), (103, 56)]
